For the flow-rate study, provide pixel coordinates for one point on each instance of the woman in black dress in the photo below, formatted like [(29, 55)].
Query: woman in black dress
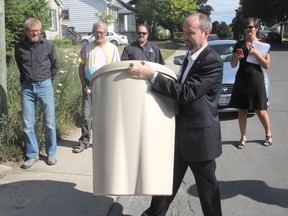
[(249, 89)]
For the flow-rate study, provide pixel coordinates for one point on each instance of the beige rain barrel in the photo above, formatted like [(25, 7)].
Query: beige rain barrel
[(133, 133)]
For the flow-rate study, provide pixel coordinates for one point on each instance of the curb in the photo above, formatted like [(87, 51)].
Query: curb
[(4, 170)]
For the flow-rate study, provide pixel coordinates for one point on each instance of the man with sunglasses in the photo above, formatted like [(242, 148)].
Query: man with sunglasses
[(142, 49)]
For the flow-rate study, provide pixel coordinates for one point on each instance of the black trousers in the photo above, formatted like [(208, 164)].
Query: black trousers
[(206, 182)]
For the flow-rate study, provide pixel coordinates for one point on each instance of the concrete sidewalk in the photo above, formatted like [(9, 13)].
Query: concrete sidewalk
[(64, 189)]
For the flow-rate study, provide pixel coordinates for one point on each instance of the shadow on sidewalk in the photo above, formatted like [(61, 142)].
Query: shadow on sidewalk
[(253, 189), (47, 198), (67, 143)]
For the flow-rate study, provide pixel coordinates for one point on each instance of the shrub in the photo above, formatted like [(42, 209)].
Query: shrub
[(63, 42), (11, 132), (178, 37), (162, 34), (68, 92)]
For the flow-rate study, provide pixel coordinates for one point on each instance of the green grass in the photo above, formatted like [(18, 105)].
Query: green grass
[(167, 48)]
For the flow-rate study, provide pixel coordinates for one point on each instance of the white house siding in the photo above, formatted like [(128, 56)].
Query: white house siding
[(55, 30), (127, 21), (82, 14)]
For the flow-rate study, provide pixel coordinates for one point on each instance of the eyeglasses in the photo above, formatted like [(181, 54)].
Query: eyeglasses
[(249, 27), (33, 31), (142, 33), (101, 33)]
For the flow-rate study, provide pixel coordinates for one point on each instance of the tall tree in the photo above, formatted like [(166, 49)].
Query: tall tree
[(223, 31), (269, 11), (168, 13), (204, 7), (215, 26), (237, 24)]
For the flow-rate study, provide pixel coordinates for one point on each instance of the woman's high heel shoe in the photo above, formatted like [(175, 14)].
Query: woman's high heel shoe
[(268, 141), (242, 143)]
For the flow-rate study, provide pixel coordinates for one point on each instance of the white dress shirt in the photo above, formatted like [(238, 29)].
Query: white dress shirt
[(191, 59)]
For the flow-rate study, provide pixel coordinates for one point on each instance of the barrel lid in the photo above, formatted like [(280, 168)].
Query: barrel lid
[(124, 65)]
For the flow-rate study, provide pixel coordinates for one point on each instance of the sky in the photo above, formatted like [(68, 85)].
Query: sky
[(223, 10)]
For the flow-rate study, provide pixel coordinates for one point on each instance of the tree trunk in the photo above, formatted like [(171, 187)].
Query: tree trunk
[(172, 36)]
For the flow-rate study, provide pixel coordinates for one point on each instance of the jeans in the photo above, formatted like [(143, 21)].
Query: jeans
[(86, 120), (31, 93)]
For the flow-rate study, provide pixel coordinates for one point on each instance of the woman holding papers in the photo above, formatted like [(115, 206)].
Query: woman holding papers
[(249, 91)]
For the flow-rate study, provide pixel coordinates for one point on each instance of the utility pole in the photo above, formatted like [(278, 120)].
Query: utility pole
[(3, 78)]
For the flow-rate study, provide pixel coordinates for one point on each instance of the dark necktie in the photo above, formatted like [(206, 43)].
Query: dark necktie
[(184, 65)]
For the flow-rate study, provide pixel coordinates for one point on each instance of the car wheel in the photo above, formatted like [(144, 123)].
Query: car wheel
[(85, 42), (114, 42)]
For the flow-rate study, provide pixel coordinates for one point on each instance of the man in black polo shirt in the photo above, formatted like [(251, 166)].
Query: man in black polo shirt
[(37, 62), (142, 49)]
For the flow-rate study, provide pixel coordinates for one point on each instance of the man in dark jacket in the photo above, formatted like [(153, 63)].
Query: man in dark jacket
[(37, 61), (142, 49), (198, 135)]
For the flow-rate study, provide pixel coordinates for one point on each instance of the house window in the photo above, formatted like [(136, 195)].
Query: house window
[(114, 13), (53, 16), (65, 14)]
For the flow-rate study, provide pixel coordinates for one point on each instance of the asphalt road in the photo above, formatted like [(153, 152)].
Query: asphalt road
[(253, 181)]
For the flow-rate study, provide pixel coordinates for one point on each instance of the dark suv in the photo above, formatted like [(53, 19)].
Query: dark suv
[(273, 37)]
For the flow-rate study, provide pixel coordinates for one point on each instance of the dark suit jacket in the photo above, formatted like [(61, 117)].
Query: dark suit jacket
[(198, 132)]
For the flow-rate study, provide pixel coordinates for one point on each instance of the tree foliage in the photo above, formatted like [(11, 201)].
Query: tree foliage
[(106, 18), (16, 12), (169, 14), (268, 11), (237, 24), (204, 7), (222, 30)]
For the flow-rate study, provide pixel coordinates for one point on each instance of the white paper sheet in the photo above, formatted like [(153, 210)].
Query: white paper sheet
[(263, 49)]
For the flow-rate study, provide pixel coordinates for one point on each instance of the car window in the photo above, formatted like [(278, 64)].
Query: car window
[(212, 37), (224, 50)]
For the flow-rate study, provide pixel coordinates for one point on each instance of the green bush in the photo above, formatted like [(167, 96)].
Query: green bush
[(68, 99), (11, 129), (68, 92), (63, 42), (11, 138), (162, 34), (178, 37)]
